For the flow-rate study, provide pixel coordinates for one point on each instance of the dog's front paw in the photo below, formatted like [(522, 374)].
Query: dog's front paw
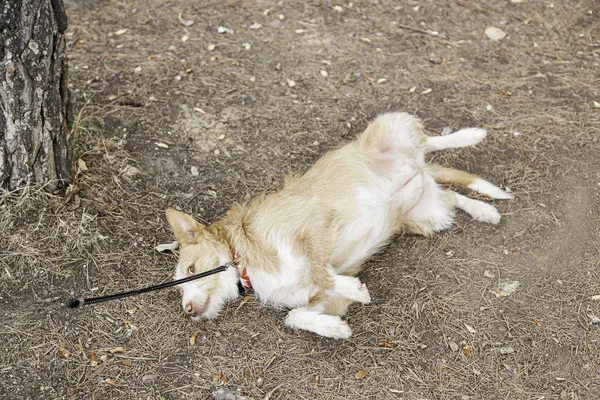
[(322, 324), (340, 331), (352, 288)]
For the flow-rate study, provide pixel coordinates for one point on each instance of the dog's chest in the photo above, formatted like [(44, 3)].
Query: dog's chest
[(287, 288)]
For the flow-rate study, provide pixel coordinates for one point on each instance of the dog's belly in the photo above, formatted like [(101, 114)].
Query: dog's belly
[(359, 239)]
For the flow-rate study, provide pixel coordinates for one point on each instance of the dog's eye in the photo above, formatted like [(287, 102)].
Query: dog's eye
[(191, 269)]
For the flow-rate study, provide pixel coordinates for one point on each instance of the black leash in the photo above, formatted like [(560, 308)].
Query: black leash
[(74, 303)]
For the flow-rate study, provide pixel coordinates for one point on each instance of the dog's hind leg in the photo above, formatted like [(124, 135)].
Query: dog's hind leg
[(462, 138), (479, 210), (445, 175)]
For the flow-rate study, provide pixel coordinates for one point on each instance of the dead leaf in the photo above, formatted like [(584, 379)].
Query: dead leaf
[(468, 351), (537, 322), (121, 31), (93, 357), (506, 288), (506, 350), (81, 165), (65, 353), (193, 337), (126, 363), (361, 374), (109, 381), (168, 246), (316, 381), (219, 377), (117, 350), (185, 22), (149, 377), (384, 344)]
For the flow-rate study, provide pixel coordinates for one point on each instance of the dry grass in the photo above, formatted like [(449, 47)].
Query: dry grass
[(101, 238)]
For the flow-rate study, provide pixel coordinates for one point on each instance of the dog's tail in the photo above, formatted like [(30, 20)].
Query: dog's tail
[(462, 138), (445, 175)]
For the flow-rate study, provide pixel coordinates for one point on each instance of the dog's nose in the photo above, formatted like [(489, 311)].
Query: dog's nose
[(192, 309)]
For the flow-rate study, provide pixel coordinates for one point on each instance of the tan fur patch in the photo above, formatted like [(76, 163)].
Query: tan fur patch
[(446, 176)]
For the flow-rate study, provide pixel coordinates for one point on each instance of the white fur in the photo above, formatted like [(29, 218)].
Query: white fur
[(462, 138), (287, 288), (322, 324), (479, 210), (351, 288), (484, 187)]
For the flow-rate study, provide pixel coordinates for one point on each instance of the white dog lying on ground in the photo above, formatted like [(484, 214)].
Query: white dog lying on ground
[(301, 247)]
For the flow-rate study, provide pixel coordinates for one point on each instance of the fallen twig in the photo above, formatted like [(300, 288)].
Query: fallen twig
[(430, 33)]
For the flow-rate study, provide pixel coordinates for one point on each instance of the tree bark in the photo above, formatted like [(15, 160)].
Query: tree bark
[(35, 108)]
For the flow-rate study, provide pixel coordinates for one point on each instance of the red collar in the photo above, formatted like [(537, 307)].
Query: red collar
[(244, 279)]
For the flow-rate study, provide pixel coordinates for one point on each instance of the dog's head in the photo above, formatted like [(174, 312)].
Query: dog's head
[(201, 251)]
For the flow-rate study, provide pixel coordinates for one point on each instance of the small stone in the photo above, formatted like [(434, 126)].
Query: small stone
[(494, 33), (324, 73), (453, 346), (255, 26), (506, 350), (217, 152), (247, 46), (252, 79), (488, 274), (211, 47), (435, 59), (291, 83), (281, 17), (194, 171), (222, 29), (427, 91)]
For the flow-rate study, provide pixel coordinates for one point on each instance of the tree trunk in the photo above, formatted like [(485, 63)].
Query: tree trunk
[(35, 114)]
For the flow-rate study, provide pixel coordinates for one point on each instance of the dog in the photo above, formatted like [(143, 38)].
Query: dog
[(301, 247)]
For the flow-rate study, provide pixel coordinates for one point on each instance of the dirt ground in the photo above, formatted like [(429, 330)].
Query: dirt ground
[(156, 100)]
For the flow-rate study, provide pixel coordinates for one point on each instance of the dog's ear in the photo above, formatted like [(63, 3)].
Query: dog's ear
[(184, 226)]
